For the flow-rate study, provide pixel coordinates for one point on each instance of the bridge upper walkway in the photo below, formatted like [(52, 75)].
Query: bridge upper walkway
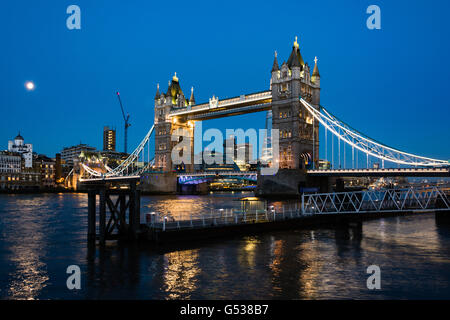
[(253, 102)]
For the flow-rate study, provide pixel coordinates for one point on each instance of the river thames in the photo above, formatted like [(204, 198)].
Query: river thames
[(41, 235)]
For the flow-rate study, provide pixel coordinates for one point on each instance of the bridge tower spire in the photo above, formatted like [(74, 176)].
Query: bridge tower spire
[(275, 67), (157, 95), (316, 75), (174, 100), (192, 98), (299, 134)]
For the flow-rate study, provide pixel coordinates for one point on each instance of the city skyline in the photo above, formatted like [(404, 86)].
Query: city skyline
[(397, 75)]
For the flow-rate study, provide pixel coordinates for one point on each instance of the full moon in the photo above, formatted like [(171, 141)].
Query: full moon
[(29, 85)]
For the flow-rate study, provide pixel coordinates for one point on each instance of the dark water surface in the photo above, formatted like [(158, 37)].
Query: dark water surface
[(41, 235)]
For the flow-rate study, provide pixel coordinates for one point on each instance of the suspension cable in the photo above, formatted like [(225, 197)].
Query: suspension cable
[(365, 144)]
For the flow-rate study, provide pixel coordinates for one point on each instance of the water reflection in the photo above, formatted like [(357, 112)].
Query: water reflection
[(276, 251), (309, 280), (180, 273), (29, 277), (442, 224), (48, 233), (248, 252), (26, 247), (182, 207), (348, 237)]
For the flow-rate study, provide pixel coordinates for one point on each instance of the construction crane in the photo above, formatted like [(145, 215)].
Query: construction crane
[(127, 124)]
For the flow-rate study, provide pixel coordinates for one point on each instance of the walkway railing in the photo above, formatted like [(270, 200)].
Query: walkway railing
[(395, 200), (200, 177), (392, 200), (221, 217), (219, 173), (387, 171)]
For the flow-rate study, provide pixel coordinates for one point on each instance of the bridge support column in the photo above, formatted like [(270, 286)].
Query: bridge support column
[(122, 213), (102, 215), (135, 211), (159, 183), (201, 188), (340, 187), (91, 215), (325, 184), (442, 216), (286, 182)]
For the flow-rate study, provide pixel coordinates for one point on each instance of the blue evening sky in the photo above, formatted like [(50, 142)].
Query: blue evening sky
[(392, 84)]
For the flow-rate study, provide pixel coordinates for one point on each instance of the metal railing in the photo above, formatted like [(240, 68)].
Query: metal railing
[(222, 217), (370, 170), (204, 176), (215, 173), (392, 200)]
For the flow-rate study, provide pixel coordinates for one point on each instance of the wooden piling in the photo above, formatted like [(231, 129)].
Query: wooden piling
[(123, 212), (91, 215), (134, 217), (102, 215), (113, 222)]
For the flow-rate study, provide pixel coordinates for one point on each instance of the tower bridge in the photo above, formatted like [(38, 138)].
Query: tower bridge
[(294, 100), (299, 132)]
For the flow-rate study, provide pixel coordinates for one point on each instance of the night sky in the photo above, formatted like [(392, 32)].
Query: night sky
[(392, 84)]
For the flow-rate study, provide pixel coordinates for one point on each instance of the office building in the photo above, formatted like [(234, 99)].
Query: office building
[(71, 155), (109, 139)]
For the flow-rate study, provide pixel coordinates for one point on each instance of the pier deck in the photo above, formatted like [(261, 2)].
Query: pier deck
[(198, 229), (312, 210)]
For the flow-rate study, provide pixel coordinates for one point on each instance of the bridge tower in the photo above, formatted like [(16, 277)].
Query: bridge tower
[(172, 100), (299, 132)]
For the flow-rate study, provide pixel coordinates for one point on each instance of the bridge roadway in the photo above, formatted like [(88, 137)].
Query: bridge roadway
[(119, 179), (198, 177), (390, 172), (344, 173)]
